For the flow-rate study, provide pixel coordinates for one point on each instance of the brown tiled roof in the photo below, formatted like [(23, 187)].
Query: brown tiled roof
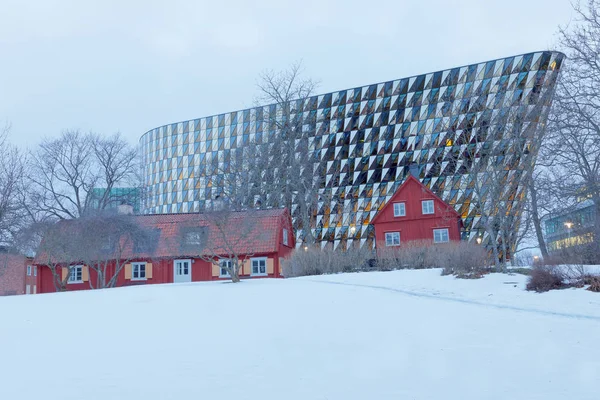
[(248, 232), (254, 231)]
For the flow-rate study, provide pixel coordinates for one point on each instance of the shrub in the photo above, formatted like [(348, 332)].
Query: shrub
[(593, 282), (315, 261), (463, 259), (413, 255), (544, 278)]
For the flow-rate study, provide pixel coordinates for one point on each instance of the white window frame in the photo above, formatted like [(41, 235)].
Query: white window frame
[(73, 272), (391, 242), (29, 270), (425, 207), (35, 270), (27, 289), (138, 265), (258, 259), (286, 240), (221, 268), (34, 289), (401, 210), (441, 231)]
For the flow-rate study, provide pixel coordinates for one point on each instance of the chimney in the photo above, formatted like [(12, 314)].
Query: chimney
[(125, 209), (218, 204), (413, 169)]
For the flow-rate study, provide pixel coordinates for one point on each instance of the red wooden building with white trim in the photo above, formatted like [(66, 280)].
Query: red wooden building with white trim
[(415, 213), (172, 260)]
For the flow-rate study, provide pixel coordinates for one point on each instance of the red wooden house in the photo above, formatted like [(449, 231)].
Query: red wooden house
[(415, 213), (180, 245)]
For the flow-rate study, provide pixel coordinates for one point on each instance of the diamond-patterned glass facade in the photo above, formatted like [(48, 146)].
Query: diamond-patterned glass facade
[(370, 136)]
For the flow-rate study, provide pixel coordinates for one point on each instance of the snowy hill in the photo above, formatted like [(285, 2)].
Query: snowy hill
[(386, 335)]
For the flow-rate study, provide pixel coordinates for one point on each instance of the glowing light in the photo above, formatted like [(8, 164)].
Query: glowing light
[(569, 225)]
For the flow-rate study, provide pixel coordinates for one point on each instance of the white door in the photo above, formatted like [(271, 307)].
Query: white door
[(182, 271)]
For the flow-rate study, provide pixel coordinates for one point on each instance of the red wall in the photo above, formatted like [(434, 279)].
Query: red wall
[(13, 268), (162, 272), (415, 225)]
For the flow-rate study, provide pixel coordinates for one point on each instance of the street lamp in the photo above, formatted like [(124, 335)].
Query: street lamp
[(352, 230), (569, 225), (478, 240), (305, 248)]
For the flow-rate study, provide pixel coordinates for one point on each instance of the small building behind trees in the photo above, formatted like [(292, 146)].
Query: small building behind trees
[(17, 274), (415, 213), (102, 251)]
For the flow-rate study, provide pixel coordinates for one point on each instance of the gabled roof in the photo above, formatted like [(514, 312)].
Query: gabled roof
[(246, 232), (402, 187)]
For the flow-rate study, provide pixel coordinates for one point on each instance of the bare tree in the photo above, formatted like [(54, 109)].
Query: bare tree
[(12, 212), (64, 172), (104, 242), (223, 237), (289, 174), (500, 163), (54, 247), (108, 242), (572, 148)]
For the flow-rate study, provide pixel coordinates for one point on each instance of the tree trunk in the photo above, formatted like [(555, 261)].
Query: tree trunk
[(235, 275), (537, 223)]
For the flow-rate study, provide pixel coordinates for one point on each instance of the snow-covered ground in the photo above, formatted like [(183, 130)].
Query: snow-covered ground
[(381, 335)]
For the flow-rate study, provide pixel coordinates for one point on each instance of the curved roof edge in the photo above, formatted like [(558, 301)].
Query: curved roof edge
[(555, 52)]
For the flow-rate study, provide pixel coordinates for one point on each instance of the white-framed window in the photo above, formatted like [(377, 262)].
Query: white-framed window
[(392, 239), (440, 235), (427, 206), (34, 289), (259, 266), (286, 240), (29, 270), (138, 271), (76, 274), (223, 265), (35, 270), (27, 289), (399, 210)]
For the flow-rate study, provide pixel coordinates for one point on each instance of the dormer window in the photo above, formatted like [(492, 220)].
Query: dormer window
[(193, 238)]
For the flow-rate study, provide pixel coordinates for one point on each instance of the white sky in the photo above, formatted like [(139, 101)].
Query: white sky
[(130, 66)]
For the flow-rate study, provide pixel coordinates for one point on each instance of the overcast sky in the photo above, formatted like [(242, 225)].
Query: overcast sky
[(130, 66)]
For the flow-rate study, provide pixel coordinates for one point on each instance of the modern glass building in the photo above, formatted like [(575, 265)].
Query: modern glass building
[(116, 197), (572, 228), (371, 136)]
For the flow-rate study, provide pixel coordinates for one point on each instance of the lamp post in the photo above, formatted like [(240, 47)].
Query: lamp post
[(569, 225)]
